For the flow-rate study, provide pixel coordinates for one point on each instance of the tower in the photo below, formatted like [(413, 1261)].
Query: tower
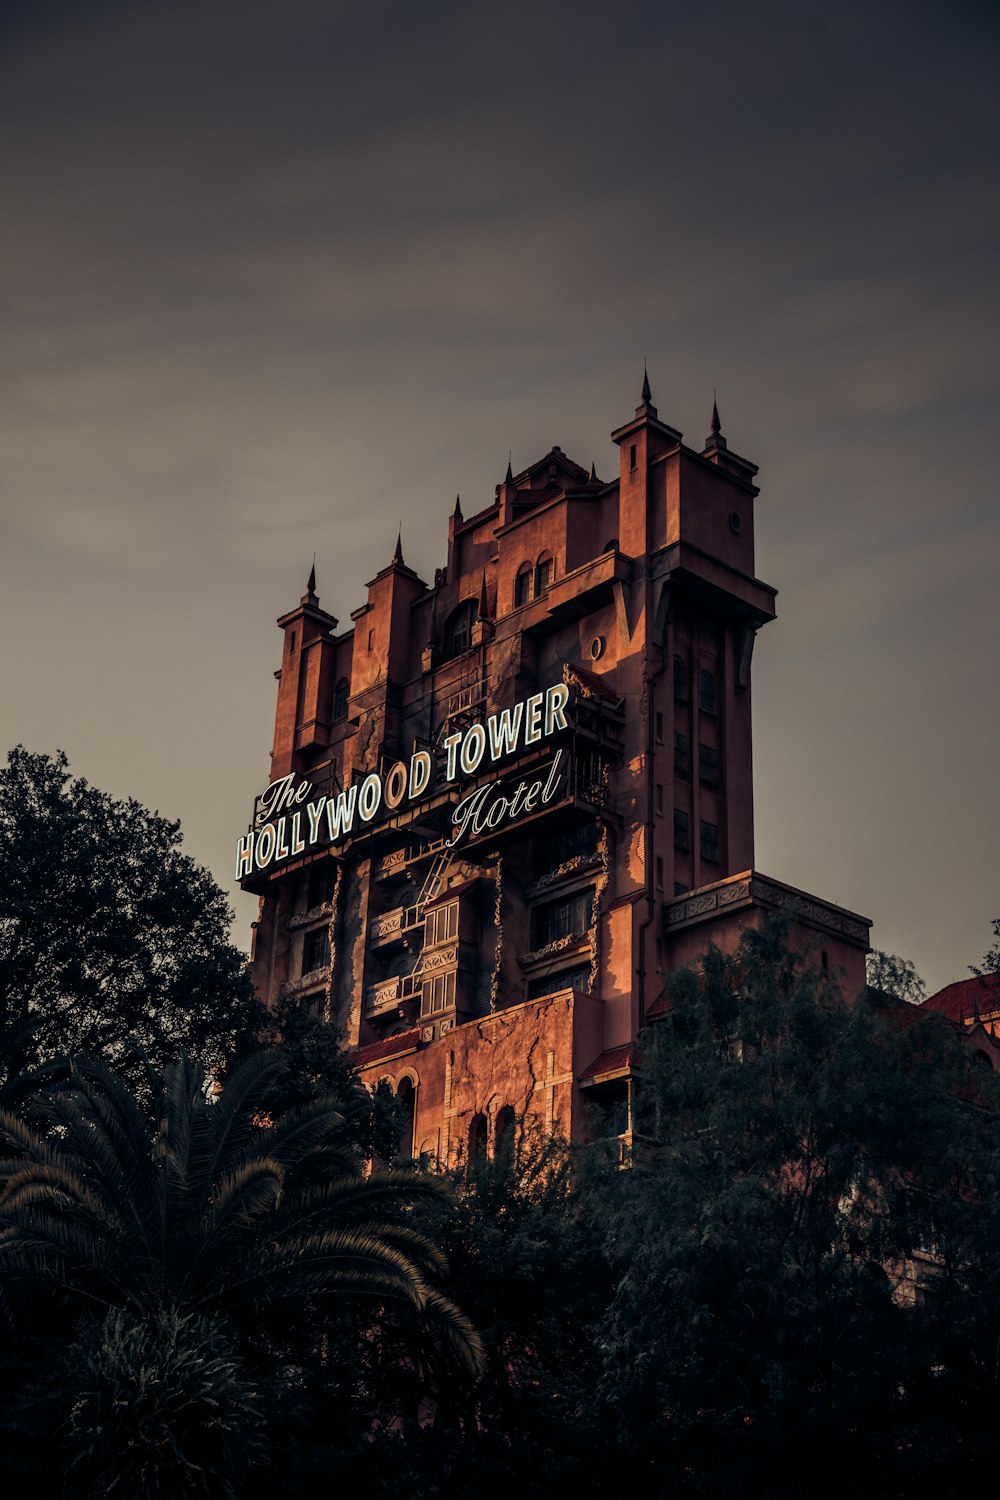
[(502, 804)]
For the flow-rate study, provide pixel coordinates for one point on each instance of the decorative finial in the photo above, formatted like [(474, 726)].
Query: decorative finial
[(647, 394), (509, 476), (593, 473), (397, 556), (311, 585), (483, 611), (458, 508), (716, 424)]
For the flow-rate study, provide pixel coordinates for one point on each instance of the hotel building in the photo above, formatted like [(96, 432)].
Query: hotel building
[(503, 803)]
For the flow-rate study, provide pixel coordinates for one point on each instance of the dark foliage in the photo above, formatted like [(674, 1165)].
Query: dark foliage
[(111, 939)]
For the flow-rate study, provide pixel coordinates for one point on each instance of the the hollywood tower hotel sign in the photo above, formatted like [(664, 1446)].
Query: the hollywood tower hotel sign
[(291, 820)]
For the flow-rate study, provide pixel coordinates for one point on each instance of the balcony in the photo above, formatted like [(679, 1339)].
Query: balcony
[(401, 925), (382, 997)]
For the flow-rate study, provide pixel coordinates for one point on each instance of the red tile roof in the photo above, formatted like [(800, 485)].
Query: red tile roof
[(388, 1047), (960, 1001), (615, 1060)]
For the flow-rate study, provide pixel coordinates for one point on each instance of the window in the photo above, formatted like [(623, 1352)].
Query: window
[(406, 1094), (631, 456), (458, 636), (682, 753), (559, 919), (659, 872), (341, 693), (659, 799), (577, 978), (554, 849), (316, 950), (709, 842), (708, 764), (477, 1141), (682, 829), (503, 1135), (522, 585), (611, 546), (441, 924), (706, 692), (320, 887), (438, 994), (680, 680), (544, 569), (291, 645)]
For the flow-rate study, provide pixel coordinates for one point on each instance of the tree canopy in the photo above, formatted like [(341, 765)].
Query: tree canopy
[(111, 938)]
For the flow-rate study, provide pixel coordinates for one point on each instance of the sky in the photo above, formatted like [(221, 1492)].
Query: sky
[(277, 280)]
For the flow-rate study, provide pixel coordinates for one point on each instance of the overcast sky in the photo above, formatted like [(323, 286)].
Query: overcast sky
[(277, 279)]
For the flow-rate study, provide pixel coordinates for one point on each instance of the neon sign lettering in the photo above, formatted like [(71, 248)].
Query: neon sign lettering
[(280, 832)]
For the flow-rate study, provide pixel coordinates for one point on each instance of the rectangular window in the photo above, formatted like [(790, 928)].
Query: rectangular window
[(682, 754), (438, 994), (659, 799), (320, 887), (659, 872), (682, 829), (577, 979), (708, 764), (710, 842), (551, 850), (631, 456), (441, 924), (316, 950), (559, 919)]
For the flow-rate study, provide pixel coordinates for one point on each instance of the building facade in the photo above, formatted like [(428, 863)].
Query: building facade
[(502, 804)]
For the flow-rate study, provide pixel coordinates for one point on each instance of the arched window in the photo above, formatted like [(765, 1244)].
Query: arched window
[(341, 693), (706, 692), (611, 546), (544, 569), (406, 1095), (458, 634), (477, 1141), (504, 1137), (680, 680), (522, 585)]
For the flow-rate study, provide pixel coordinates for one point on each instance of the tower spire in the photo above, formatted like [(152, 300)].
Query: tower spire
[(311, 585), (647, 394), (457, 512), (397, 556)]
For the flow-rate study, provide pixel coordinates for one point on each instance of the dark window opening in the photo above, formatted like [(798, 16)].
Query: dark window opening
[(544, 570), (477, 1141), (522, 585), (551, 850), (710, 842), (608, 1109), (659, 799), (682, 754), (316, 950), (659, 872), (458, 636), (611, 546), (559, 919), (291, 645), (341, 694), (406, 1096), (438, 994), (682, 829), (320, 887), (708, 764), (680, 680), (503, 1137), (577, 978), (631, 456), (706, 692)]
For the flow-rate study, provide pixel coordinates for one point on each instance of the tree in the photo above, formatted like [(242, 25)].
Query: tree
[(895, 976), (766, 1244), (110, 937)]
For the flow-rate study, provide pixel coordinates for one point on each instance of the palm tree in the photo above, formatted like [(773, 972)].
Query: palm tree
[(200, 1205)]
